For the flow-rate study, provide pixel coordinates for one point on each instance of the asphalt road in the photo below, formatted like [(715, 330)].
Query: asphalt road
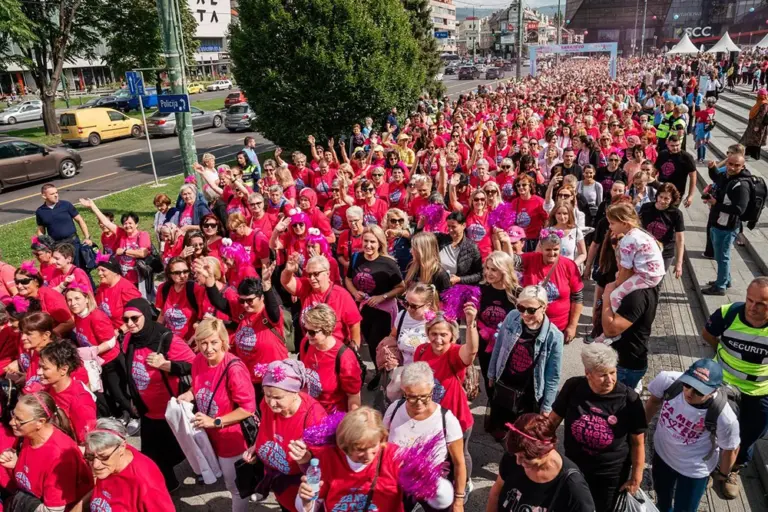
[(75, 102), (114, 166)]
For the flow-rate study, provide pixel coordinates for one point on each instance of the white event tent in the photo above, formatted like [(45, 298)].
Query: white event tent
[(725, 44), (684, 46)]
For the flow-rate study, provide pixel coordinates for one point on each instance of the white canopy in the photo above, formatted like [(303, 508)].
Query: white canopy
[(763, 43), (725, 44), (684, 46)]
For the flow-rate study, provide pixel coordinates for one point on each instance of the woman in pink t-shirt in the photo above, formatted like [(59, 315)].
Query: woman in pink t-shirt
[(67, 273), (222, 391)]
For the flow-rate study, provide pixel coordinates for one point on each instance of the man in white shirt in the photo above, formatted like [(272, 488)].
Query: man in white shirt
[(696, 424)]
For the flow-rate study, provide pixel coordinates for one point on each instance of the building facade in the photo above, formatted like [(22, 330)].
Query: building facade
[(444, 22), (667, 21)]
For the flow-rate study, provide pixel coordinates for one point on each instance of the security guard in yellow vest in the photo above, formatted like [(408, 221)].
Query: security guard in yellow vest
[(664, 128), (739, 334)]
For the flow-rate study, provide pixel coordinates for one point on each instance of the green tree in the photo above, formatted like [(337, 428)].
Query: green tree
[(133, 36), (420, 16), (64, 30), (318, 66), (14, 26)]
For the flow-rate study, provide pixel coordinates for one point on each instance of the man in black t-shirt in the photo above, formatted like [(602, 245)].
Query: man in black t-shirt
[(630, 329), (677, 167), (569, 165)]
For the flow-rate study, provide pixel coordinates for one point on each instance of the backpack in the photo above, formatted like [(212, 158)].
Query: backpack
[(726, 395), (471, 383), (758, 192), (190, 291), (337, 363), (289, 339), (443, 413)]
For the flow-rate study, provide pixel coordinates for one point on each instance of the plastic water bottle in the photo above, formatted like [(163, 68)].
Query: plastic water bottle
[(313, 476)]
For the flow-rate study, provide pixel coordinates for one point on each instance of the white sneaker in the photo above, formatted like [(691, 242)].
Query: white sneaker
[(469, 488), (133, 427)]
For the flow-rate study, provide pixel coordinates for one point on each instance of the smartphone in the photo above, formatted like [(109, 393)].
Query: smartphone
[(706, 197)]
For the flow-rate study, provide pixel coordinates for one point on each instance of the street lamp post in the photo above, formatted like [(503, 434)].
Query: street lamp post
[(642, 37), (520, 39), (634, 32)]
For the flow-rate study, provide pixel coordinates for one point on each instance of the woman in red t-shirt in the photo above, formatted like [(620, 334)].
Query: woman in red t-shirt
[(350, 240), (94, 330), (222, 391), (286, 412), (336, 208), (57, 362), (360, 458), (449, 362), (49, 464), (114, 291), (42, 250), (126, 479), (477, 228), (155, 360), (237, 262), (29, 282), (66, 272), (318, 219), (374, 209), (334, 373), (529, 211), (177, 312)]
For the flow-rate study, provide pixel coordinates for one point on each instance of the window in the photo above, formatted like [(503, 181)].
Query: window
[(67, 120), (7, 151), (116, 116), (195, 110), (27, 148)]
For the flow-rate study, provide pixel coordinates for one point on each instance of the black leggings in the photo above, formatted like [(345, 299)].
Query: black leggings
[(485, 363), (376, 325), (159, 444), (115, 381)]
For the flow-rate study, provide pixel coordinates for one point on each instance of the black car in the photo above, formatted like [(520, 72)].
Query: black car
[(469, 73), (509, 66), (450, 70), (104, 102), (494, 73)]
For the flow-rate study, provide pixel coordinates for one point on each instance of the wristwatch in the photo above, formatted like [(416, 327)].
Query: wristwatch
[(218, 423)]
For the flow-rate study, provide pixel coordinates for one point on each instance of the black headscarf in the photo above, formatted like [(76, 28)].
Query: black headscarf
[(150, 335)]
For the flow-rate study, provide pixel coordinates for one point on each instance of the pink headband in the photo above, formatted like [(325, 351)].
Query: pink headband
[(514, 429), (79, 287), (190, 179), (133, 310), (107, 431), (101, 257), (29, 267), (48, 413)]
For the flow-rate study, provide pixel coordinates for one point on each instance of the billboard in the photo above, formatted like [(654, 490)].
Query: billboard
[(212, 17)]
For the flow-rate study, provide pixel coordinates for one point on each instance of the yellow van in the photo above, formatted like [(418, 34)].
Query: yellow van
[(92, 125)]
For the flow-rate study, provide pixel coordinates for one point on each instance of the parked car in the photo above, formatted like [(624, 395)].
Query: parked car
[(509, 66), (195, 88), (22, 161), (450, 69), (92, 125), (23, 113), (234, 98), (239, 117), (469, 73), (220, 85), (161, 123), (123, 98), (104, 101), (494, 73)]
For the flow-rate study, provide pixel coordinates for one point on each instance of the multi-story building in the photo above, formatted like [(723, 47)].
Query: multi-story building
[(444, 21), (213, 18)]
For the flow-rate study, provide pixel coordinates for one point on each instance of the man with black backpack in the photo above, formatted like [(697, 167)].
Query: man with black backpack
[(729, 203), (697, 428), (739, 334)]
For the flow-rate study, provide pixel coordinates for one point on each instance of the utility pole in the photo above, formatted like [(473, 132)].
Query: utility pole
[(642, 37), (474, 39), (520, 39), (171, 30), (634, 32), (559, 30)]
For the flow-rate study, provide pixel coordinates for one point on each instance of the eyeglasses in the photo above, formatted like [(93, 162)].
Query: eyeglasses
[(527, 310), (614, 160), (23, 282), (506, 166), (214, 226), (257, 203), (564, 196), (397, 221), (246, 300), (368, 190), (298, 225), (414, 307), (18, 422), (414, 399), (335, 190), (377, 175), (131, 319), (179, 272), (479, 200), (695, 391), (90, 457), (312, 332), (317, 274)]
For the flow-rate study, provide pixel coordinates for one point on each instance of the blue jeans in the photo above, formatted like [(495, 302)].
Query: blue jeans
[(722, 242), (672, 486), (630, 377), (753, 424)]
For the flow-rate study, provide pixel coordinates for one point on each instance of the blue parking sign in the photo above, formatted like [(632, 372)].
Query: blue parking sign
[(135, 83)]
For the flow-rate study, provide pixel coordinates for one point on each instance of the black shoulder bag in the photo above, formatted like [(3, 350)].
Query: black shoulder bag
[(250, 425), (369, 498), (185, 381)]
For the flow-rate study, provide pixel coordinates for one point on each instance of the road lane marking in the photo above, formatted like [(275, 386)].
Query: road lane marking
[(67, 185), (113, 156)]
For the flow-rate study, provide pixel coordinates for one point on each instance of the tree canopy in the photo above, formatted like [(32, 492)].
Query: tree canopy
[(133, 37), (420, 16), (318, 66)]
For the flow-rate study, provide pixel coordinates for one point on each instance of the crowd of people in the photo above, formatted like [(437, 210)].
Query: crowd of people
[(228, 330)]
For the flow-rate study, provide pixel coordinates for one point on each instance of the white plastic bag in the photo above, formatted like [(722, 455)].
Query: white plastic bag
[(639, 502)]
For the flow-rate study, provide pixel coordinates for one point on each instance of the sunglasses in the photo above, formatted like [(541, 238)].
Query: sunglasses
[(179, 272), (528, 311), (312, 332), (310, 275), (695, 391), (614, 160), (258, 203), (23, 282), (131, 319), (414, 399), (368, 190), (506, 166), (397, 221), (335, 190), (246, 300), (479, 200), (564, 196), (90, 457), (198, 246), (212, 226), (408, 305), (298, 225), (491, 192), (377, 175)]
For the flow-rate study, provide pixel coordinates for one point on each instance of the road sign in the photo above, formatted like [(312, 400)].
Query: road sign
[(441, 35), (173, 103), (135, 83)]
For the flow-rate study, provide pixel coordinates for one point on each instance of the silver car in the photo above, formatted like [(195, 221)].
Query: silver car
[(161, 123), (24, 113), (239, 117)]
